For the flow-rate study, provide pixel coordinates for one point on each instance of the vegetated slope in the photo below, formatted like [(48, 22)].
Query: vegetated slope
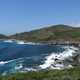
[(3, 36), (51, 33), (66, 74)]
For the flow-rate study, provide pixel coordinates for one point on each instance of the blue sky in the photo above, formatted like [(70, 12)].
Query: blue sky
[(24, 15)]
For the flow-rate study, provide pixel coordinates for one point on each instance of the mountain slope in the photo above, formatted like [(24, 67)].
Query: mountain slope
[(51, 33), (3, 36)]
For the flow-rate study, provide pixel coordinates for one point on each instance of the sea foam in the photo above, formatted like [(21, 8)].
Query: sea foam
[(3, 62), (8, 41), (56, 61)]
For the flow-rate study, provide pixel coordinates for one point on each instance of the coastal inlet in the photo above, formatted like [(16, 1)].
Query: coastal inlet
[(16, 56)]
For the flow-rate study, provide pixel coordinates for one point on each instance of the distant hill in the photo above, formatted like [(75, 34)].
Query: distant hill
[(3, 36), (50, 33)]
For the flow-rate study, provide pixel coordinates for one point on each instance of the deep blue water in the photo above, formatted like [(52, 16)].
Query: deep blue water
[(26, 55)]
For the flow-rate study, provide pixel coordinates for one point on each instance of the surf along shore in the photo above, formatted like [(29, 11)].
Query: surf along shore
[(60, 74), (73, 47)]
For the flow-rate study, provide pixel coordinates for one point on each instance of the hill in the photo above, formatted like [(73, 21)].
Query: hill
[(3, 36), (50, 33)]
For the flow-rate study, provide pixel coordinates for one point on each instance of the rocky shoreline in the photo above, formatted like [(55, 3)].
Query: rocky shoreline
[(71, 43)]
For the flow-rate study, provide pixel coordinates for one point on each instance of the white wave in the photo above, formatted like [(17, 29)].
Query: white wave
[(52, 61), (9, 41), (21, 42), (71, 47), (19, 67), (3, 62), (16, 41), (16, 60), (29, 69), (29, 43)]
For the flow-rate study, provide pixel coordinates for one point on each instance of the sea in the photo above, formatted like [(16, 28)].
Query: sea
[(18, 56)]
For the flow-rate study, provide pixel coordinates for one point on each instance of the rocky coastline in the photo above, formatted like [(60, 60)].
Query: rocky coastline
[(71, 43)]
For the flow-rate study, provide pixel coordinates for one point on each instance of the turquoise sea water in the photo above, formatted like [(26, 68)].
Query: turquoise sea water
[(15, 57)]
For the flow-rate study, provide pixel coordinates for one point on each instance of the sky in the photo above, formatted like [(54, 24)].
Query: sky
[(25, 15)]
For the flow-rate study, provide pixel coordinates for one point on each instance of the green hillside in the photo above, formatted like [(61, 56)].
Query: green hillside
[(50, 33), (66, 74)]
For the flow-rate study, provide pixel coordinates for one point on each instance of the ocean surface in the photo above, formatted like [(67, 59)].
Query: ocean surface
[(17, 56)]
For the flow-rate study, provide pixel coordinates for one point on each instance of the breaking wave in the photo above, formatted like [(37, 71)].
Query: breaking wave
[(56, 60), (21, 42), (52, 60)]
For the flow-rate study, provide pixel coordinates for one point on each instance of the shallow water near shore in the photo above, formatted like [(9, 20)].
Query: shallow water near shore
[(17, 56)]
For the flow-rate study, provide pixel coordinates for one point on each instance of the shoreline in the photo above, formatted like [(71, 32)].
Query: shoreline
[(67, 74), (71, 43), (55, 57)]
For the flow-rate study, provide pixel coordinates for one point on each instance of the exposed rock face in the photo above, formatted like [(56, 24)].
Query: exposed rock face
[(67, 59), (76, 60)]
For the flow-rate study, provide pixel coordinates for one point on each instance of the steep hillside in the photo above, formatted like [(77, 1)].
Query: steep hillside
[(50, 33)]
